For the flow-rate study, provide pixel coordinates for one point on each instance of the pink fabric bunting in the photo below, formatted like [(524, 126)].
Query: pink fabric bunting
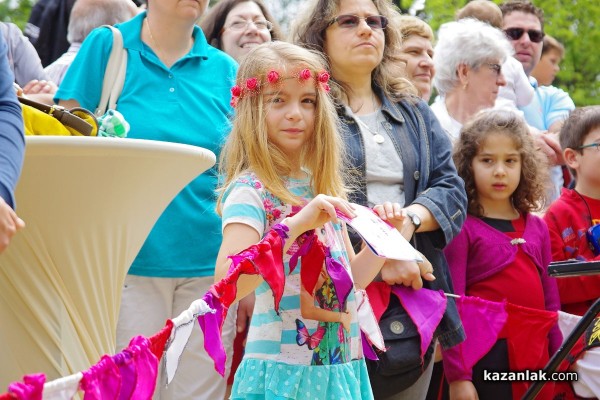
[(425, 307), (102, 381), (265, 258), (367, 349), (379, 296), (146, 366), (30, 388), (342, 281), (313, 255), (211, 325), (128, 371), (483, 321), (159, 340)]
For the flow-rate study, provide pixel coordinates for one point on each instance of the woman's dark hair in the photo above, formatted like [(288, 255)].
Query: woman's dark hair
[(213, 22), (532, 190)]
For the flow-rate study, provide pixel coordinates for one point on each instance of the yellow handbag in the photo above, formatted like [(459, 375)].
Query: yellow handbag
[(43, 119)]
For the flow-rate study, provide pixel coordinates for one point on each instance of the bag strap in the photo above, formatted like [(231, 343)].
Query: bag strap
[(61, 114), (114, 75)]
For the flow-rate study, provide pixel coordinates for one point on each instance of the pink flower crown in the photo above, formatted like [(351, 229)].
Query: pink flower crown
[(252, 85)]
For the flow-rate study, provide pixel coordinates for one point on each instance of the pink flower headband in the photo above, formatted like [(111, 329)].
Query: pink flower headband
[(252, 85)]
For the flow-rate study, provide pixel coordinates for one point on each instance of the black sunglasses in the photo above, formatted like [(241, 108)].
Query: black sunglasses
[(352, 21), (534, 35)]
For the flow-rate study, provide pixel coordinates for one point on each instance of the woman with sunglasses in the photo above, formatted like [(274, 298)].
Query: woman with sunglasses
[(237, 26), (400, 153), (468, 59)]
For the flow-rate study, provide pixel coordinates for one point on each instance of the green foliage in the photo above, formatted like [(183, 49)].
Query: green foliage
[(16, 12), (573, 23)]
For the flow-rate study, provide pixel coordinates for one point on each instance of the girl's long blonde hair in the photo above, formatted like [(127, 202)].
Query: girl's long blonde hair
[(248, 149)]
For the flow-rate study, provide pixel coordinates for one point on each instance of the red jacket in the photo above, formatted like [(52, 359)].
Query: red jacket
[(568, 219)]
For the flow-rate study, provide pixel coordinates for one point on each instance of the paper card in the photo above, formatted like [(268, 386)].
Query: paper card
[(383, 239)]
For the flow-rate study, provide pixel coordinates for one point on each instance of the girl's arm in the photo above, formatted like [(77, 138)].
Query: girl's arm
[(309, 310), (237, 237), (315, 214)]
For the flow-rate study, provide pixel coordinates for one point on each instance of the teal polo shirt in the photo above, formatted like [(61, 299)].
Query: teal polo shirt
[(187, 103)]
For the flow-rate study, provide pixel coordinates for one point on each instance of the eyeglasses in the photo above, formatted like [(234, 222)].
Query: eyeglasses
[(240, 25), (497, 68), (534, 35), (585, 146), (352, 21)]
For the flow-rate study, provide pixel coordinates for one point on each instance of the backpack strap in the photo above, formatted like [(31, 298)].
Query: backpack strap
[(114, 75)]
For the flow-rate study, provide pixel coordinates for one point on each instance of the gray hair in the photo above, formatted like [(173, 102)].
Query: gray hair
[(87, 15), (470, 42)]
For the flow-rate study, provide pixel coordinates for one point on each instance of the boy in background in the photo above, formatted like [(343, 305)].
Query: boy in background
[(577, 210), (552, 54)]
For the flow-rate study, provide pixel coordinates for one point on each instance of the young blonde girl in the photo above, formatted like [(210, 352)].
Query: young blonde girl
[(282, 168), (503, 250)]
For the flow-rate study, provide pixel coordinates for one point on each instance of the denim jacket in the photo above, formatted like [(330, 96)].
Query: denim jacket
[(430, 179)]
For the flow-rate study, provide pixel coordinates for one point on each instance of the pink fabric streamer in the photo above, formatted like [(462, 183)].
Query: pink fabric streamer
[(102, 381), (146, 365), (367, 349), (30, 388), (425, 307), (264, 258), (341, 279), (158, 340), (127, 368), (483, 321), (211, 325)]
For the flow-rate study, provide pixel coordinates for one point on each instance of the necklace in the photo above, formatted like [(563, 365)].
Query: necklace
[(377, 137), (166, 59), (154, 44)]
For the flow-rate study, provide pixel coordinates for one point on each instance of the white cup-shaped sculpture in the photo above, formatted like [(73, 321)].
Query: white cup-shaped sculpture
[(89, 204)]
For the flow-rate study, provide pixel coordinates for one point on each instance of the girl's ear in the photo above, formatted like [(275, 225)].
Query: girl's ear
[(571, 158)]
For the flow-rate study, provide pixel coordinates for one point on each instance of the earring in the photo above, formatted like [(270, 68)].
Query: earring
[(465, 86)]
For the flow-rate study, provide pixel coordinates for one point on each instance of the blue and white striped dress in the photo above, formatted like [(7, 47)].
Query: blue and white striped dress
[(275, 364)]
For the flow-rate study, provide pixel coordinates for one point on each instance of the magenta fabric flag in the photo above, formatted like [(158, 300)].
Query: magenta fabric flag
[(341, 279), (146, 365), (30, 389), (367, 349), (124, 361), (102, 381), (425, 307), (483, 321), (211, 325)]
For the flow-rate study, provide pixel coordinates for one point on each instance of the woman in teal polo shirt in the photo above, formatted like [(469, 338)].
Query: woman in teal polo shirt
[(177, 90)]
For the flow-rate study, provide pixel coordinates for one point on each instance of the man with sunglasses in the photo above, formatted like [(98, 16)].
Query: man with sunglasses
[(523, 24)]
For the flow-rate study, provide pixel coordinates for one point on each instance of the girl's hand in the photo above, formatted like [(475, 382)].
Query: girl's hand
[(396, 215), (244, 312), (346, 320), (463, 390), (316, 213)]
